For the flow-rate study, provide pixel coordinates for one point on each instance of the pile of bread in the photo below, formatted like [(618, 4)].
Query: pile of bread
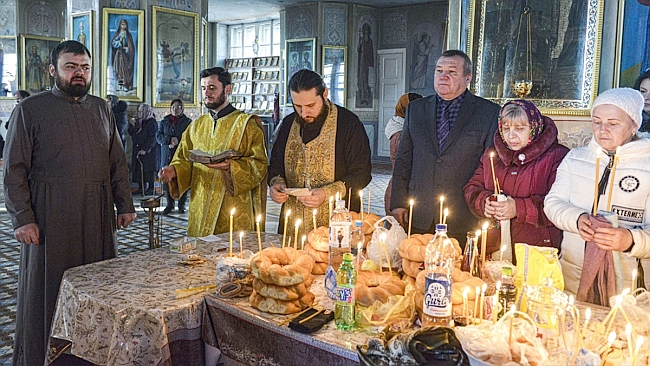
[(282, 280), (369, 220), (377, 286)]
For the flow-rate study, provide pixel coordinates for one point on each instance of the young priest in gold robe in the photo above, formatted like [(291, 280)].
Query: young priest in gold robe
[(220, 187)]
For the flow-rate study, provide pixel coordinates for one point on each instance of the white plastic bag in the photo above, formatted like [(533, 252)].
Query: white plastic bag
[(394, 237)]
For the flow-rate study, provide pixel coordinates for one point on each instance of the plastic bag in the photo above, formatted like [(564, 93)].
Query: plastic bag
[(394, 237), (398, 312), (535, 264)]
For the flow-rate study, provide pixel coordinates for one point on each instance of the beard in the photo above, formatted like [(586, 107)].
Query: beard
[(319, 119), (76, 90), (221, 99)]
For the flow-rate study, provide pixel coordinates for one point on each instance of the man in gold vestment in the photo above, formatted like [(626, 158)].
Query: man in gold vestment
[(233, 183), (321, 146)]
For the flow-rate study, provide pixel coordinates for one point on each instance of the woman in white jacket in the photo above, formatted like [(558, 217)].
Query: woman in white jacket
[(597, 259)]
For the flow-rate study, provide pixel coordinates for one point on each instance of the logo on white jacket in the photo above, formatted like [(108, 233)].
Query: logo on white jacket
[(628, 214), (629, 183)]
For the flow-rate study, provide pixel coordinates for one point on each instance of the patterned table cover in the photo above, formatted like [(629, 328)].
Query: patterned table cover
[(124, 311)]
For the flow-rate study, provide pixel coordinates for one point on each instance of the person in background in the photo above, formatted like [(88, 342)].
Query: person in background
[(65, 174), (143, 158), (442, 142), (20, 95), (394, 133), (642, 84), (121, 119), (217, 188), (169, 135), (603, 267), (526, 159), (321, 146)]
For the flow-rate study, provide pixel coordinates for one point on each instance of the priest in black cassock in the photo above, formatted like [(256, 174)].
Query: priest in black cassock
[(65, 173), (321, 146)]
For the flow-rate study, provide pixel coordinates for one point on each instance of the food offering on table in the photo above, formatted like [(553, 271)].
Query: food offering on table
[(282, 280), (463, 294), (368, 226), (318, 247)]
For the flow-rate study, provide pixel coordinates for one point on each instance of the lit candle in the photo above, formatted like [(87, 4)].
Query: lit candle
[(613, 180), (475, 254), (368, 210), (241, 244), (361, 203), (232, 213), (495, 302), (610, 340), (465, 293), (476, 301), (639, 343), (380, 262), (259, 235), (444, 217), (595, 209), (302, 246), (330, 211), (634, 274), (382, 244), (337, 196), (512, 309), (628, 338), (286, 223), (410, 217), (483, 244), (349, 197), (503, 249), (313, 218), (494, 178), (442, 204), (612, 313), (480, 312), (585, 326), (295, 239)]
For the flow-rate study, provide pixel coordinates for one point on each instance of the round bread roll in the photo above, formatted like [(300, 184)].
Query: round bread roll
[(411, 268), (457, 289), (319, 268), (319, 257), (320, 239), (415, 247), (275, 306), (420, 280), (285, 293), (369, 220), (459, 276), (375, 286), (419, 302), (276, 266)]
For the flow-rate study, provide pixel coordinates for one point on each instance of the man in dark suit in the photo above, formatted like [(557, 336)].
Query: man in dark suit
[(442, 141)]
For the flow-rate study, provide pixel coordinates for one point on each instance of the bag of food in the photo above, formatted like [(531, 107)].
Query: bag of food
[(534, 265), (398, 312), (394, 236)]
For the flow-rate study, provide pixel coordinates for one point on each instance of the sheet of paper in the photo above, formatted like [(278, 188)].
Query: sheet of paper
[(298, 192)]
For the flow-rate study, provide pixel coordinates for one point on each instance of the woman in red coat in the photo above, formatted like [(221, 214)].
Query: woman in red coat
[(526, 157)]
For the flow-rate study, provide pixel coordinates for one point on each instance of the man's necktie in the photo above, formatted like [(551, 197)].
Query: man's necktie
[(445, 124)]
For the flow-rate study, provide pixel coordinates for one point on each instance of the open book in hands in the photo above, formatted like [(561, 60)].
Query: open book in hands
[(199, 156)]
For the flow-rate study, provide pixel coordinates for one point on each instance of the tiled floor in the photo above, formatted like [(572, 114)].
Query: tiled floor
[(133, 239)]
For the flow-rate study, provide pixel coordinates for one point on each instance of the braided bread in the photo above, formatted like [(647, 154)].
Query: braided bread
[(414, 248), (369, 220), (286, 293), (320, 239), (319, 268), (276, 266), (411, 268), (375, 286), (319, 256), (271, 305)]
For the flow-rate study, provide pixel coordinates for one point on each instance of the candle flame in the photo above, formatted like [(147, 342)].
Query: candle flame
[(618, 150), (382, 237), (619, 300), (611, 338), (498, 285), (442, 199), (628, 329), (286, 214), (639, 341), (446, 212), (465, 292), (361, 193), (484, 287), (588, 314), (259, 218), (411, 202), (571, 299), (331, 199), (314, 212), (598, 152), (477, 233), (304, 237), (634, 273), (486, 225), (232, 212), (625, 292), (491, 154), (298, 222), (503, 248), (241, 234)]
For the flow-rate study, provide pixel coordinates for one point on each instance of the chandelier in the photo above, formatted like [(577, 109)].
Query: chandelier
[(522, 86)]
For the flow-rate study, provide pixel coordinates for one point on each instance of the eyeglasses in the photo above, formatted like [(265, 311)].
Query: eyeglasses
[(72, 68)]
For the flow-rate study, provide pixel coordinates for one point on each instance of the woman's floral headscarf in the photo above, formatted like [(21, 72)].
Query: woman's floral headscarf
[(535, 119)]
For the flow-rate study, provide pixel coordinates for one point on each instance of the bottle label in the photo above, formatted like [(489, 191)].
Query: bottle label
[(340, 235), (437, 297), (345, 295)]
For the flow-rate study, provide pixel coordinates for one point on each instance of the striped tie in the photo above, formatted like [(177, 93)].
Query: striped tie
[(445, 124)]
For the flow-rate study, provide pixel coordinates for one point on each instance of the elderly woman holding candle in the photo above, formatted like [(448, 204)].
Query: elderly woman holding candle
[(527, 156), (611, 175)]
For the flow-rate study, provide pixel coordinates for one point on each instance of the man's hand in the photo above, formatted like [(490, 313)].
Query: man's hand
[(27, 234), (278, 194), (401, 215), (167, 173), (124, 220), (315, 200), (173, 141), (584, 228), (224, 165), (609, 238)]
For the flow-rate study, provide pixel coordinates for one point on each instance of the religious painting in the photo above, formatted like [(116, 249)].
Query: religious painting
[(176, 56), (547, 51), (333, 72), (35, 70), (123, 46), (300, 55), (365, 63), (426, 45), (81, 29), (8, 67), (633, 42)]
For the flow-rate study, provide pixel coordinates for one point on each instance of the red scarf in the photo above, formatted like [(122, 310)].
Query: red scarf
[(598, 280)]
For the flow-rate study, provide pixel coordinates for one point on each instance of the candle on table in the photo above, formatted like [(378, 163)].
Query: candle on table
[(259, 235), (483, 244), (585, 326), (634, 274), (494, 178), (444, 217), (232, 213), (295, 239), (337, 196), (613, 180), (475, 253), (379, 251), (480, 312), (302, 246), (465, 293), (382, 244), (368, 210), (495, 302), (330, 212), (512, 309), (361, 203), (286, 223), (476, 301), (610, 340), (628, 338), (639, 343), (313, 218), (349, 197), (410, 216), (595, 209), (442, 204), (241, 244), (503, 249)]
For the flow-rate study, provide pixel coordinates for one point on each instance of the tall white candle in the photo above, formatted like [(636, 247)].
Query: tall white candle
[(232, 214)]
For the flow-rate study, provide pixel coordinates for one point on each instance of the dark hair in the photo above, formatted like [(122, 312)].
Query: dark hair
[(224, 76), (644, 75), (23, 93), (458, 53), (73, 47), (176, 101), (307, 80)]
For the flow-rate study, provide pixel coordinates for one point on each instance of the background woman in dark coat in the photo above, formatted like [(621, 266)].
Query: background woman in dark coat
[(119, 111), (143, 161), (168, 136), (526, 159)]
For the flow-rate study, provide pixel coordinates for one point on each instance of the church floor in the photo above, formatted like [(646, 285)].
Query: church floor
[(130, 240)]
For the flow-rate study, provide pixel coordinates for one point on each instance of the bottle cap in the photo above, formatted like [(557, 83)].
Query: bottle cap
[(441, 227), (348, 257), (507, 271), (358, 223)]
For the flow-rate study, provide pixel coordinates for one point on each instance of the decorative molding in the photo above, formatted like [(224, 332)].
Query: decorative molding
[(7, 18), (335, 26), (125, 4), (41, 20), (367, 116), (394, 29), (302, 25), (186, 5), (82, 5)]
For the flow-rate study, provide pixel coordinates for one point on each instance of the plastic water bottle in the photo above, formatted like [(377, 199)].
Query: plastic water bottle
[(346, 281), (340, 225), (357, 238), (438, 262)]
